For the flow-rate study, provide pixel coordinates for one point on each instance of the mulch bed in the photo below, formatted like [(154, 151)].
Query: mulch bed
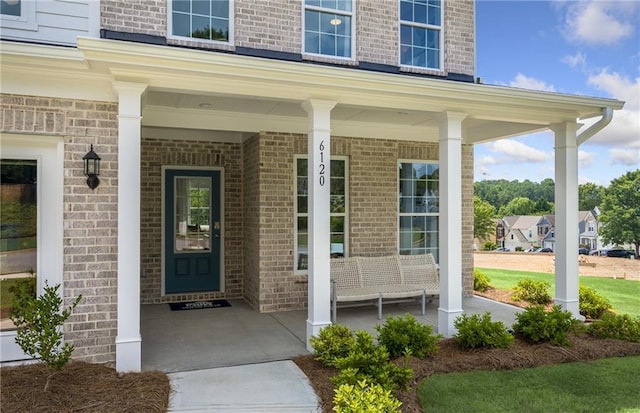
[(82, 387), (451, 358)]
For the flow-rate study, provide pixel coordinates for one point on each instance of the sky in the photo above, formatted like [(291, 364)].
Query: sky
[(579, 47)]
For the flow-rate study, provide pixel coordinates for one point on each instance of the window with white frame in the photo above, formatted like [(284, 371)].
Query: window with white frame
[(11, 7), (418, 208), (201, 19), (338, 210), (328, 27), (421, 33)]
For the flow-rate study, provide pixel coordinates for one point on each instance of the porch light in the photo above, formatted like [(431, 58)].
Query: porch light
[(92, 168)]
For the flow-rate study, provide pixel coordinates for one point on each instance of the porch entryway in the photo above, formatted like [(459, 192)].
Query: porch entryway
[(175, 341)]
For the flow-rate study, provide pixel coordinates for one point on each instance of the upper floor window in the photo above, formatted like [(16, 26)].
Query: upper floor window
[(591, 226), (421, 33), (200, 19), (10, 7), (328, 28)]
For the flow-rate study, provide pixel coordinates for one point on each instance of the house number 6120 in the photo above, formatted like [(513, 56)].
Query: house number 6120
[(322, 166)]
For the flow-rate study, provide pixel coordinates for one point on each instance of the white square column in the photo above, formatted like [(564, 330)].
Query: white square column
[(319, 176), (450, 223), (566, 226), (128, 339)]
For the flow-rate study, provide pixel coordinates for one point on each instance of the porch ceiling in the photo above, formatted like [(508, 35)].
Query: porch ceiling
[(195, 89)]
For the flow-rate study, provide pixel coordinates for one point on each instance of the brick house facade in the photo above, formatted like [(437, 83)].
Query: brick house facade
[(248, 107)]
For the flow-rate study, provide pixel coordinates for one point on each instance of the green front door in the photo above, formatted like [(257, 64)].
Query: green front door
[(192, 230)]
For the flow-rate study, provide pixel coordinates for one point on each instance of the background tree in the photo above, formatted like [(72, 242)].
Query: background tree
[(518, 206), (620, 210), (500, 192), (483, 212), (589, 196), (542, 207)]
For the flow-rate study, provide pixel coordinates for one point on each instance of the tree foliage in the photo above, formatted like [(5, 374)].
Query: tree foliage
[(483, 212), (500, 192), (620, 210), (518, 206), (589, 196)]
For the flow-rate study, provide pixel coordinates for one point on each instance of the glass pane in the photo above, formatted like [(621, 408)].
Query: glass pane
[(337, 168), (181, 25), (10, 8), (325, 23), (433, 39), (406, 11), (220, 8), (200, 27), (337, 204), (312, 21), (303, 244), (419, 57), (192, 213), (434, 16), (302, 167), (201, 7), (303, 202), (328, 44), (419, 37), (220, 29), (181, 5), (337, 186), (302, 186), (337, 236), (434, 59), (405, 35), (18, 231), (344, 5), (420, 13), (344, 28), (315, 3)]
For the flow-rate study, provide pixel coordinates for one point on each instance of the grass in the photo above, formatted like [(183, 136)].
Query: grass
[(623, 294), (607, 385)]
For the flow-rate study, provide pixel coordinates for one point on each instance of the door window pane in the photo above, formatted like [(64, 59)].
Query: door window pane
[(192, 219), (18, 231)]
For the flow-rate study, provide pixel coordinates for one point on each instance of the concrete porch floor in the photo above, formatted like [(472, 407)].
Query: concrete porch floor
[(178, 341)]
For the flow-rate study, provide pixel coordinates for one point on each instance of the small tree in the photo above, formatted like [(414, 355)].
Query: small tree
[(483, 224), (621, 211), (39, 322)]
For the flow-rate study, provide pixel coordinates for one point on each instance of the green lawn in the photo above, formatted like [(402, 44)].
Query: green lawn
[(624, 295), (607, 385)]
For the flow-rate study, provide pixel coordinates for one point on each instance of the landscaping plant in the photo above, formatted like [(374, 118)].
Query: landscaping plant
[(407, 336), (478, 331), (364, 397), (621, 327), (592, 304), (480, 281), (537, 325), (39, 323), (333, 342), (536, 292)]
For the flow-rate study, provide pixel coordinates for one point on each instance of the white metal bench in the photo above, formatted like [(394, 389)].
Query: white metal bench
[(378, 278)]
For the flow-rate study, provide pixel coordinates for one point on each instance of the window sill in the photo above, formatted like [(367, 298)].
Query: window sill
[(347, 61)]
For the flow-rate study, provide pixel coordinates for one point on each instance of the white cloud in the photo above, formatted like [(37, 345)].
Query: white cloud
[(585, 159), (599, 22), (578, 60), (630, 157), (524, 82), (624, 129), (516, 152), (487, 160)]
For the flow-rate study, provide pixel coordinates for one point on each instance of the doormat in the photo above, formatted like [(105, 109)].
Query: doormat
[(199, 305)]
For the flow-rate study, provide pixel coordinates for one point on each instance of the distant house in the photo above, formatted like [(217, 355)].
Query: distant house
[(588, 229), (546, 233), (520, 232)]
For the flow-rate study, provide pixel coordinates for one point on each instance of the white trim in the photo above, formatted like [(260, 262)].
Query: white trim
[(220, 169), (351, 14), (49, 153), (26, 20), (229, 42)]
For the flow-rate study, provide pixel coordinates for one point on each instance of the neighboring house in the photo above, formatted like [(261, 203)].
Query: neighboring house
[(588, 229), (546, 236), (244, 143), (520, 232)]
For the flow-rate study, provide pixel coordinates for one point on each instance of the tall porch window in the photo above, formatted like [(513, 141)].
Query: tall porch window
[(418, 208), (209, 20), (339, 207)]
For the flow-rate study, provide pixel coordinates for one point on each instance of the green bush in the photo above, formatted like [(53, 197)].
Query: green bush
[(537, 325), (364, 397), (480, 281), (592, 304), (406, 336), (38, 321), (621, 327), (536, 292), (477, 331), (332, 342), (369, 362), (489, 246)]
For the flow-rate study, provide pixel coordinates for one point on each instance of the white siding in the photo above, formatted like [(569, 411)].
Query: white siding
[(53, 21)]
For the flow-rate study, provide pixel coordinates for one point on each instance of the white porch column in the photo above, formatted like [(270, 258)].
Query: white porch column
[(566, 226), (128, 340), (450, 223), (319, 145)]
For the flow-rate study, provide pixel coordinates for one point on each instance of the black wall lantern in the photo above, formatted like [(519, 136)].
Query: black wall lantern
[(92, 168)]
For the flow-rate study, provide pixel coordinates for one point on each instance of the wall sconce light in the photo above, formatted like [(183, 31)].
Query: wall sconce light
[(92, 168)]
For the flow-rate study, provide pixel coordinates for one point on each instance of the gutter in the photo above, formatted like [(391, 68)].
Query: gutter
[(607, 115)]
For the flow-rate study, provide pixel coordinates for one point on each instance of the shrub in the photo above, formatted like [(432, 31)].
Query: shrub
[(364, 397), (477, 331), (536, 292), (39, 321), (537, 325), (592, 304), (405, 335), (369, 362), (332, 342), (621, 327), (489, 246), (480, 281)]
